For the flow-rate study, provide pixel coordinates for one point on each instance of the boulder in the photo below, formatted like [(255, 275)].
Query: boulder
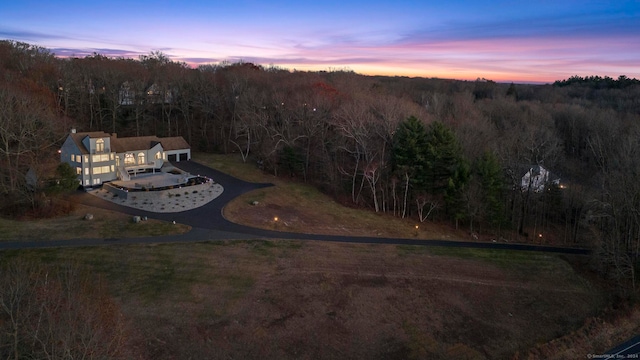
[(88, 216)]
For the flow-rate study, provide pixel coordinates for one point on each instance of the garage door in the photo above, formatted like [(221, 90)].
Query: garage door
[(172, 157), (183, 157)]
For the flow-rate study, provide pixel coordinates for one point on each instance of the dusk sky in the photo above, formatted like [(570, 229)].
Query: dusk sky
[(532, 41)]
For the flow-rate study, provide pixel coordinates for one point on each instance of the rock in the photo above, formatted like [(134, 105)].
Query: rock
[(88, 216), (136, 219), (254, 203)]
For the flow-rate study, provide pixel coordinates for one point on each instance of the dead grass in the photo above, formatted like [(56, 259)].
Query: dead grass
[(105, 224), (597, 335), (310, 300), (302, 208)]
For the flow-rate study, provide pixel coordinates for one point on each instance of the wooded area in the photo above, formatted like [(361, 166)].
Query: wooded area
[(428, 149)]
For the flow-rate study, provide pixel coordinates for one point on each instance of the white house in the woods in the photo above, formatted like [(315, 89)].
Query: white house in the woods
[(100, 157), (154, 94), (537, 178)]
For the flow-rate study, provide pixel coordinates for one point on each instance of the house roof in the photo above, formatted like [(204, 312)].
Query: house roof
[(174, 143), (77, 138), (121, 145)]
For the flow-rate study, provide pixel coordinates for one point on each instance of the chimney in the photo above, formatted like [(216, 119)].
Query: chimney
[(114, 135)]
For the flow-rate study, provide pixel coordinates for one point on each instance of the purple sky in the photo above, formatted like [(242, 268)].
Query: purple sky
[(532, 41)]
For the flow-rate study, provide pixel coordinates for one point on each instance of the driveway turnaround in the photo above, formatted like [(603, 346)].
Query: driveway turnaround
[(208, 223)]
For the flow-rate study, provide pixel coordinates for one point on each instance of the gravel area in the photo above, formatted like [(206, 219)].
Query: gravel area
[(166, 201)]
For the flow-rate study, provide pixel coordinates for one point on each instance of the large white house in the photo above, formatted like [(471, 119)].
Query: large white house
[(99, 157)]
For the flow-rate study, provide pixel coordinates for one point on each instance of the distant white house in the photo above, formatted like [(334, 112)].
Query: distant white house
[(155, 94), (100, 157), (127, 95), (537, 178)]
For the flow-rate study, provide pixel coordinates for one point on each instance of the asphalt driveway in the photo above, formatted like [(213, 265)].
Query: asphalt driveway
[(209, 225)]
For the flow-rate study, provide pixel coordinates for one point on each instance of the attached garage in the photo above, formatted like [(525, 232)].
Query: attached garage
[(176, 148)]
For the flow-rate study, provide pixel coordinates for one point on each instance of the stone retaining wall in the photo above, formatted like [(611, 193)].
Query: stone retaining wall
[(154, 194), (116, 190)]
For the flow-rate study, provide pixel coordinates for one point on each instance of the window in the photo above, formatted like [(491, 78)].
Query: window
[(101, 170), (86, 158), (140, 158), (111, 156), (158, 155), (73, 157), (113, 168), (96, 181), (86, 182), (100, 158), (79, 171), (129, 159), (100, 145), (86, 171)]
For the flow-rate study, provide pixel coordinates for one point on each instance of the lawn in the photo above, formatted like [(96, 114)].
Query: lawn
[(301, 207), (308, 300), (105, 224)]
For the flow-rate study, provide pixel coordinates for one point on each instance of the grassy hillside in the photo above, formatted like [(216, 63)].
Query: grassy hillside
[(309, 300), (105, 224), (303, 208)]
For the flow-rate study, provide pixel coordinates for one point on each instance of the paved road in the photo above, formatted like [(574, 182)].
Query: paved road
[(627, 350), (209, 224)]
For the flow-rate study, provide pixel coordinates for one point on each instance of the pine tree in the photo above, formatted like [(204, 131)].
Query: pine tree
[(409, 159), (409, 151), (447, 172), (493, 188), (443, 158)]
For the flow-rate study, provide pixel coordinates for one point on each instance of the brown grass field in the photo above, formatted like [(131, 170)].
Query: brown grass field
[(322, 300), (317, 300), (105, 224)]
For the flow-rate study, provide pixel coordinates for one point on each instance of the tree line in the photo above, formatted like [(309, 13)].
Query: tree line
[(425, 149)]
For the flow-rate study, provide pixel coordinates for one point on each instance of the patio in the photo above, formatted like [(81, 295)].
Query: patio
[(153, 180)]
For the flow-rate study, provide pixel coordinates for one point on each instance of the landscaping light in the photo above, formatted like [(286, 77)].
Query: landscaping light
[(275, 219), (417, 227)]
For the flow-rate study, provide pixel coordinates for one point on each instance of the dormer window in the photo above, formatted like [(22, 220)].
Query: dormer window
[(100, 145)]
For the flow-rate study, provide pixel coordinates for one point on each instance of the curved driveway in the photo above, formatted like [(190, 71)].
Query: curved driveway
[(209, 224)]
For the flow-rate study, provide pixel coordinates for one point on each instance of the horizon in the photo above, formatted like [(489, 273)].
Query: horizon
[(462, 40)]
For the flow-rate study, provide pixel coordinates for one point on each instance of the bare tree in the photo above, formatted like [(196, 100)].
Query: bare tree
[(56, 312)]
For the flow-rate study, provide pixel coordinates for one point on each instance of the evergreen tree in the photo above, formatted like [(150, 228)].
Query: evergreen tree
[(443, 159), (409, 152), (493, 188), (65, 180), (454, 194), (447, 172)]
